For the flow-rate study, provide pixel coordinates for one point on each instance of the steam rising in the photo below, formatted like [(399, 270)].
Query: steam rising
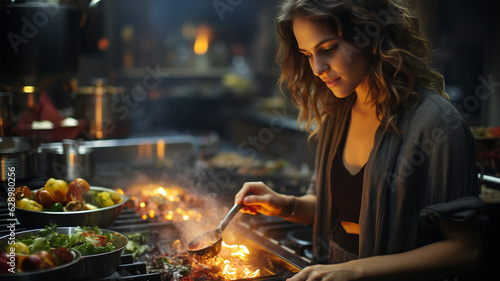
[(201, 197)]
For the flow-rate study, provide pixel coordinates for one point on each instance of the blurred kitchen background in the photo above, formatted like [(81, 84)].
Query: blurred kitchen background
[(142, 94), (128, 69)]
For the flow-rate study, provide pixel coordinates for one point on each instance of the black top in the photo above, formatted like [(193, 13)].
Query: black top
[(346, 193)]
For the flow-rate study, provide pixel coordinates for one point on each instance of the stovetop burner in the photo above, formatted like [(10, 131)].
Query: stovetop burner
[(301, 241)]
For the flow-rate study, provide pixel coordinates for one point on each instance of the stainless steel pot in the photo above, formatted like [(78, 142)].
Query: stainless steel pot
[(104, 109), (18, 156), (71, 160)]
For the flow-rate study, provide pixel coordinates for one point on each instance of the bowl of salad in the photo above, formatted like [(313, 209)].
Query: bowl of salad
[(18, 262), (99, 249), (68, 205)]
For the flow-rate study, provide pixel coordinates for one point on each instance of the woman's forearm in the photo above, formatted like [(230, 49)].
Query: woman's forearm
[(460, 251), (304, 209)]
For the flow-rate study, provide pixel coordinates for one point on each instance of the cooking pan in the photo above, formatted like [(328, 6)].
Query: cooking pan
[(209, 244)]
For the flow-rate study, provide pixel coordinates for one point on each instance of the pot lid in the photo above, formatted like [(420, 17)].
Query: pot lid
[(69, 146), (82, 150)]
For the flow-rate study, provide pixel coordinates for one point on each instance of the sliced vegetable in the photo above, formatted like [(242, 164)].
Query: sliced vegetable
[(90, 207), (73, 194), (22, 192), (74, 206), (28, 204)]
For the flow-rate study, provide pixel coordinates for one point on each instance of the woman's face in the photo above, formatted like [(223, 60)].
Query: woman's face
[(341, 66)]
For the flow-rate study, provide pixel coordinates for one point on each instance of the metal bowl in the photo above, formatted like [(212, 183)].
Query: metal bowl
[(102, 217), (91, 266), (56, 273)]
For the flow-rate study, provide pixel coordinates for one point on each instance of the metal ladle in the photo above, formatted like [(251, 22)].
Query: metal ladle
[(209, 244)]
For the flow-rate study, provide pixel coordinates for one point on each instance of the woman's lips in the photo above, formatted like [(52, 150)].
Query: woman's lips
[(331, 82)]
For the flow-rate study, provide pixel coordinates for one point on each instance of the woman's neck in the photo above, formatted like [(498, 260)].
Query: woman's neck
[(363, 105)]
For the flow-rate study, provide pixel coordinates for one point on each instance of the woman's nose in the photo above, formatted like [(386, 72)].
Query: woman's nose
[(319, 67)]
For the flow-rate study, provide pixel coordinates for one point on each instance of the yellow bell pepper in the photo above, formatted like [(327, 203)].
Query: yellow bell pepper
[(57, 188), (115, 196), (104, 199), (21, 202), (28, 204)]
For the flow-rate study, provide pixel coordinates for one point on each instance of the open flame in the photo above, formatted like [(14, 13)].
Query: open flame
[(232, 262), (170, 202), (166, 203), (231, 271), (241, 253)]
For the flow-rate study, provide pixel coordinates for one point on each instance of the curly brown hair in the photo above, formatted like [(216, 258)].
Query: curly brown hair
[(399, 57)]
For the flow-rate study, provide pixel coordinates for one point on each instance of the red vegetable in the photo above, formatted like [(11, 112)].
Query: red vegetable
[(81, 184), (44, 198), (30, 263), (73, 194), (63, 255), (47, 260), (4, 266)]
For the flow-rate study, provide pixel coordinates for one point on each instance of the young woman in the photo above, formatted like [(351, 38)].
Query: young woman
[(394, 196)]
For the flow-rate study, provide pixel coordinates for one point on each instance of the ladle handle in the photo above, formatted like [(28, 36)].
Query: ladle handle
[(234, 210)]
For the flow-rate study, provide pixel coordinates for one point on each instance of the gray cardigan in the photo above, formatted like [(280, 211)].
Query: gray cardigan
[(411, 181)]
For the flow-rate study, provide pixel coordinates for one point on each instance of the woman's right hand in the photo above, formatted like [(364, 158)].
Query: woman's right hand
[(259, 198)]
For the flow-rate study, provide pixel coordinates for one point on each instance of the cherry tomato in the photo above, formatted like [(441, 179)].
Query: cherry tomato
[(81, 184)]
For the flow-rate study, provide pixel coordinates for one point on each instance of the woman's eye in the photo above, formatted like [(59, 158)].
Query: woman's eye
[(330, 49), (307, 55)]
